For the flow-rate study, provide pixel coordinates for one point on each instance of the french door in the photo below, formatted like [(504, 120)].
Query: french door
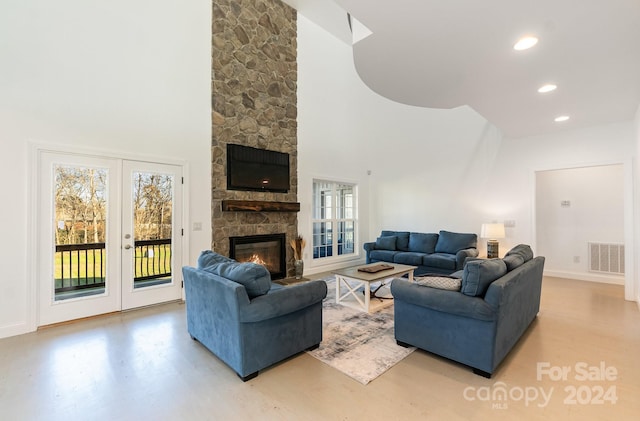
[(151, 233), (109, 235)]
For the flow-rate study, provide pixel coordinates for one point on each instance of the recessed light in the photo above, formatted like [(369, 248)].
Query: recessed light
[(561, 118), (547, 88), (525, 43)]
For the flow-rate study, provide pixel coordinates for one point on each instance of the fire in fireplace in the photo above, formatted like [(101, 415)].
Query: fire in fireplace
[(267, 250)]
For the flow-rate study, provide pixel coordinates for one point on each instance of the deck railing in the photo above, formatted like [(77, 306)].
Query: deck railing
[(153, 259), (79, 266), (82, 266)]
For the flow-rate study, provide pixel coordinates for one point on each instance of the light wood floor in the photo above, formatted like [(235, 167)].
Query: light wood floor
[(143, 365)]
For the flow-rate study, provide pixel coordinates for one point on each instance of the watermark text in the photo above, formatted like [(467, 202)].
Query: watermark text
[(578, 384)]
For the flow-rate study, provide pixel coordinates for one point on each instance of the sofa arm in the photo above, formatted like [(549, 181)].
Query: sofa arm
[(444, 301), (367, 248), (462, 255), (283, 301), (518, 289)]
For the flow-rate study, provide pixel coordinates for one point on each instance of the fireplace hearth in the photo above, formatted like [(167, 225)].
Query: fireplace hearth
[(267, 250)]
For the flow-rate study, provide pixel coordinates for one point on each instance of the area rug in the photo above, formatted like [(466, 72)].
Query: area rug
[(359, 344)]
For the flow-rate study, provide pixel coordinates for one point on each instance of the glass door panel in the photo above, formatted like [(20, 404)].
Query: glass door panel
[(78, 270), (152, 242), (152, 227), (80, 206)]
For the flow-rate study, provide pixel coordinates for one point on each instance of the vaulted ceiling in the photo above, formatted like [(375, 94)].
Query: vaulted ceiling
[(446, 54)]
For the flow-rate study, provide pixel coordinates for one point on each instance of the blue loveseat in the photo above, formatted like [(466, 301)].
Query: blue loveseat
[(250, 323), (442, 253), (478, 322)]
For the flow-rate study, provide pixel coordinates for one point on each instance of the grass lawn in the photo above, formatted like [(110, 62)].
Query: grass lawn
[(89, 267)]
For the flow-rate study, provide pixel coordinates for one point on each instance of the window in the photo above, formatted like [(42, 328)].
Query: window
[(334, 219)]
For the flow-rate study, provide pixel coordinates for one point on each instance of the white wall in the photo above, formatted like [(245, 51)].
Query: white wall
[(415, 155), (574, 207), (431, 169), (129, 78), (328, 147), (600, 145), (635, 292)]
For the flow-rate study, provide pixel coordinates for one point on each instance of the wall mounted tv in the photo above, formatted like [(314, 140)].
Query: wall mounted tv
[(257, 169)]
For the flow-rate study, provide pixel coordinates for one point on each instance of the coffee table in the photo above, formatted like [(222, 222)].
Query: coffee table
[(349, 282)]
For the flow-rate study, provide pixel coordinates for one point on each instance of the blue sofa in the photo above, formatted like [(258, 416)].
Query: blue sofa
[(442, 253), (250, 323), (478, 324)]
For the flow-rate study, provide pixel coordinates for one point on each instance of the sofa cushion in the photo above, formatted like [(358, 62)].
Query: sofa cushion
[(521, 250), (402, 242), (439, 282), (386, 243), (409, 258), (452, 242), (513, 261), (422, 243), (382, 255), (255, 278), (479, 274), (210, 258), (440, 260)]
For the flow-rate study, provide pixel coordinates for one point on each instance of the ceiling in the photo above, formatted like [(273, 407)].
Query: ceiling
[(446, 54)]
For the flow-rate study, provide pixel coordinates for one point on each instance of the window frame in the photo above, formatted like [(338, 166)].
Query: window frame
[(329, 215)]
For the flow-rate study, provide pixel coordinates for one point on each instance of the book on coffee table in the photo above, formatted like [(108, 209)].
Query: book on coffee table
[(375, 268)]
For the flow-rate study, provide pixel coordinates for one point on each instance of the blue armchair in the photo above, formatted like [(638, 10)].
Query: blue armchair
[(250, 323)]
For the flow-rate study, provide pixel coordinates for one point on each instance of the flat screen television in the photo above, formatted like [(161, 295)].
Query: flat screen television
[(257, 169)]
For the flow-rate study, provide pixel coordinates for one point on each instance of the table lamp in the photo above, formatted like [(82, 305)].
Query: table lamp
[(493, 232)]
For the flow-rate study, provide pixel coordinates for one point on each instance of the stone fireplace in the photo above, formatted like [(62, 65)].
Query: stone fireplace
[(267, 250), (254, 100)]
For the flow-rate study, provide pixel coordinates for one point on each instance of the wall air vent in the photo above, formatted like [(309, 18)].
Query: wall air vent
[(606, 258)]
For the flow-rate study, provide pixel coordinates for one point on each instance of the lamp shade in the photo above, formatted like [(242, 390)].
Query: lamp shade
[(492, 231)]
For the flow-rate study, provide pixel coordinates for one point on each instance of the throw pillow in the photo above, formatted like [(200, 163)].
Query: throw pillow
[(402, 238), (255, 278), (479, 274), (453, 242), (439, 282), (210, 258), (522, 250), (386, 243), (513, 261)]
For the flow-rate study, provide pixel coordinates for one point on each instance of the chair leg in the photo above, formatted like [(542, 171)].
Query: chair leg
[(311, 348), (249, 376), (403, 344)]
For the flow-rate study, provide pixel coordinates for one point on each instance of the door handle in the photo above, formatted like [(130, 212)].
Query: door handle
[(127, 247)]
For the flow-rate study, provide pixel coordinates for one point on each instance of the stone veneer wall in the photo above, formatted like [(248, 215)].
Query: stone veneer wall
[(254, 104)]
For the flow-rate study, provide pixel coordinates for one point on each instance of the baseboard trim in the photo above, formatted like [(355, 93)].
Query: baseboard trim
[(15, 330), (579, 276)]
